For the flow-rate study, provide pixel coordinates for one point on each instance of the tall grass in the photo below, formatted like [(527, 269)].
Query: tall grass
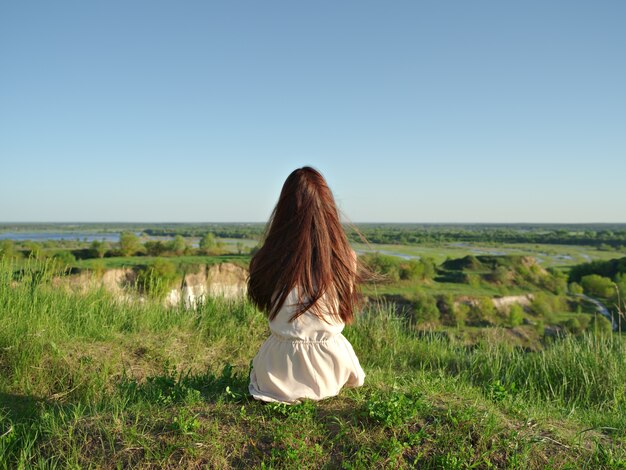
[(125, 375), (571, 371)]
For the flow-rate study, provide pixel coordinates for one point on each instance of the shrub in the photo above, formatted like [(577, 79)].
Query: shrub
[(64, 257), (555, 281), (129, 244), (7, 249), (541, 305), (207, 243), (178, 245), (540, 327), (516, 315), (594, 284), (425, 308), (445, 304), (35, 250), (573, 326), (157, 278), (600, 325), (482, 312), (460, 313), (472, 279), (98, 248), (388, 266), (155, 248), (575, 288), (498, 275)]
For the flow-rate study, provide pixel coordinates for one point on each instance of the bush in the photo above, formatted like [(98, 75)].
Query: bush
[(482, 312), (425, 308), (541, 305), (178, 245), (573, 326), (555, 281), (157, 278), (516, 315), (472, 279), (411, 270), (208, 243), (98, 248), (64, 257), (460, 313), (575, 288), (388, 266), (129, 244), (499, 275), (599, 286), (7, 249), (35, 250), (155, 248), (445, 304), (600, 325), (584, 321)]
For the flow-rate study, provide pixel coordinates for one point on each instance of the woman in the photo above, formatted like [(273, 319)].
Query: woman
[(305, 278)]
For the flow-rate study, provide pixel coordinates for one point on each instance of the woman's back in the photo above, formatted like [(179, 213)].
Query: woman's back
[(308, 326), (306, 357)]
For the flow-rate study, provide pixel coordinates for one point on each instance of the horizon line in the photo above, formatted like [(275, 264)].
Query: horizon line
[(344, 222)]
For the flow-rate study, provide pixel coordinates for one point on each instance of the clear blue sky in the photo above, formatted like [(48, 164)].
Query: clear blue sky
[(415, 111)]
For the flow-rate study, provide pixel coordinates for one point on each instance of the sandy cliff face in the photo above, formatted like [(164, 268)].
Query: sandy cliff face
[(227, 279), (503, 302), (222, 280)]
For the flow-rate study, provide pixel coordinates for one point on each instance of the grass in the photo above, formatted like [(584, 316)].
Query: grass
[(88, 381)]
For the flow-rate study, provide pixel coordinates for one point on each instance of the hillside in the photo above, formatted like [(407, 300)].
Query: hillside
[(91, 381)]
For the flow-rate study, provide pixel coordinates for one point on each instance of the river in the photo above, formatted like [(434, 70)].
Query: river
[(44, 236)]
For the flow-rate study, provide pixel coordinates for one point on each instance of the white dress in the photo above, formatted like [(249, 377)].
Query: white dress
[(305, 358)]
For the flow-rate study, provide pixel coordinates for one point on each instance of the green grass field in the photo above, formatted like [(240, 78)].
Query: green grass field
[(88, 381)]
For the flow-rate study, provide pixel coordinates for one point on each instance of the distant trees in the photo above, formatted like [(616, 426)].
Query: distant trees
[(129, 244), (155, 248), (99, 248), (178, 245), (208, 243), (411, 234)]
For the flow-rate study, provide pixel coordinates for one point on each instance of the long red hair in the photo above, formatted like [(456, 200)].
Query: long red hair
[(306, 247)]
